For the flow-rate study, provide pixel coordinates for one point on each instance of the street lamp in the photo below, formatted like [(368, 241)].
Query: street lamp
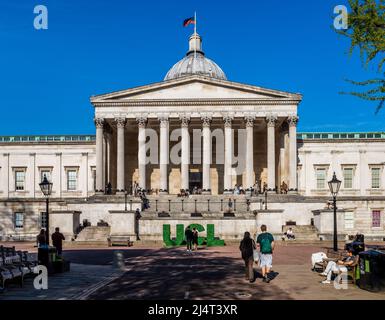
[(46, 188), (334, 186)]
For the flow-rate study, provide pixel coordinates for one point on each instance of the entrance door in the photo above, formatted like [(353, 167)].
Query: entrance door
[(195, 180)]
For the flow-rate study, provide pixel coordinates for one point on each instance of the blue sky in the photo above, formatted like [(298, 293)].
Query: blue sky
[(94, 47)]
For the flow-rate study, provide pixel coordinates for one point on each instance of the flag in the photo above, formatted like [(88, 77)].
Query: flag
[(188, 21)]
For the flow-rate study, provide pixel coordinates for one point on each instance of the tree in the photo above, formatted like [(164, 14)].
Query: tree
[(366, 30)]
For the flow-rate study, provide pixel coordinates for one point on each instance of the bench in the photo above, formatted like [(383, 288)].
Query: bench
[(331, 256), (120, 240)]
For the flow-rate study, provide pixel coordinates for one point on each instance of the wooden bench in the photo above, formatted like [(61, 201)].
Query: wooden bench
[(331, 256)]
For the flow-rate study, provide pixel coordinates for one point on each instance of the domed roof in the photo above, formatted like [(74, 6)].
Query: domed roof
[(195, 62)]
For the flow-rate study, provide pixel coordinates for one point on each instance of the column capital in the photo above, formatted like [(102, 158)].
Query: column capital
[(249, 120), (120, 122), (227, 120), (206, 120), (99, 122), (163, 119), (271, 120), (184, 119), (292, 120), (141, 120)]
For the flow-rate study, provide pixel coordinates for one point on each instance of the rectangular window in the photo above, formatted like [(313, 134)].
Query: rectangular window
[(19, 180), (375, 178), (47, 173), (71, 180), (19, 220), (376, 218), (348, 178), (94, 178), (321, 178)]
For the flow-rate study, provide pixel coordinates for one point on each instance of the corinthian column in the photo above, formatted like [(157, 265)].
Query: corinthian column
[(292, 120), (249, 121), (120, 124), (99, 124), (206, 185), (142, 121), (271, 121), (164, 153), (228, 154), (185, 161)]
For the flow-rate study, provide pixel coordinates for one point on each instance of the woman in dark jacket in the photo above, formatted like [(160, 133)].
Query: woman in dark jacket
[(247, 247)]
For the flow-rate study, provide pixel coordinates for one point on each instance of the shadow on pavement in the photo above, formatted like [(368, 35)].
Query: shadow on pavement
[(169, 274)]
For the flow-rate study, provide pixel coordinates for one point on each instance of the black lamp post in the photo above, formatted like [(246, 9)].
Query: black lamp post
[(334, 186), (46, 188)]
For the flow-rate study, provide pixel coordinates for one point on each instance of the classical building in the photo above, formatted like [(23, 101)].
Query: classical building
[(195, 130)]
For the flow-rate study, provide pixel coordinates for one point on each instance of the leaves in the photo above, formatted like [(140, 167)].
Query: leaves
[(366, 30)]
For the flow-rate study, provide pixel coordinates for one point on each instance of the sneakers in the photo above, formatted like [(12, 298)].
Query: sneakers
[(266, 279), (322, 274), (325, 282)]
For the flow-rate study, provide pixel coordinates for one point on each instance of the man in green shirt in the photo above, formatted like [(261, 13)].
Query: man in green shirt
[(265, 241)]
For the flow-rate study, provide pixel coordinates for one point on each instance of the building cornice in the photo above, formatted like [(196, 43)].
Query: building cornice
[(193, 102)]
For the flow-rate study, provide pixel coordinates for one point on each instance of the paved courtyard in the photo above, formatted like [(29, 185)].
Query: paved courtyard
[(162, 273)]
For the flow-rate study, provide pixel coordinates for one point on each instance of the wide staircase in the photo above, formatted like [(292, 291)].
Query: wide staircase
[(302, 233), (93, 236)]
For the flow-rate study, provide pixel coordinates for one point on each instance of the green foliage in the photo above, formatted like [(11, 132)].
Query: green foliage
[(167, 235), (366, 30), (211, 241)]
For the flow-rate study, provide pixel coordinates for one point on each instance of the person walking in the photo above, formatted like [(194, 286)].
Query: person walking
[(57, 241), (189, 238), (265, 241), (247, 247), (195, 239)]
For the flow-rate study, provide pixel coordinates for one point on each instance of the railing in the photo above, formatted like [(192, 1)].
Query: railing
[(48, 138), (186, 205), (340, 135)]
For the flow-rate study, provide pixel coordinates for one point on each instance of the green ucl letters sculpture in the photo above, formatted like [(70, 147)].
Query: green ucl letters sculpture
[(210, 240)]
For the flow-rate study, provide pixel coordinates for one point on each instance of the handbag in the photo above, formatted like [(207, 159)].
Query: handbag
[(255, 255)]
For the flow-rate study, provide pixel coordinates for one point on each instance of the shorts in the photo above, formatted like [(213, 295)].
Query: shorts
[(266, 260)]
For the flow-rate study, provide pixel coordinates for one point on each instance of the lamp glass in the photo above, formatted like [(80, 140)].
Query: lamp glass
[(46, 186), (334, 185)]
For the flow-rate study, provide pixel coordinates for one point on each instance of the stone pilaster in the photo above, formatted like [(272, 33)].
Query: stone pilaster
[(227, 120), (206, 133), (249, 123), (164, 153)]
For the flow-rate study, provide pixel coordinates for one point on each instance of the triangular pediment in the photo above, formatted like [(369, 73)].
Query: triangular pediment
[(195, 87)]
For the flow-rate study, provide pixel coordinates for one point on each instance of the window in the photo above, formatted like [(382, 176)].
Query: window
[(19, 220), (43, 220), (376, 218), (94, 178), (321, 178), (348, 178), (19, 180), (375, 178), (47, 173), (349, 220), (71, 180)]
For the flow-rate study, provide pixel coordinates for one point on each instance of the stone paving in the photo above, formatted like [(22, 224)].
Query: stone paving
[(169, 274)]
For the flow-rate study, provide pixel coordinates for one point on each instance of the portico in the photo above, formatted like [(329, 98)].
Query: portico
[(196, 121)]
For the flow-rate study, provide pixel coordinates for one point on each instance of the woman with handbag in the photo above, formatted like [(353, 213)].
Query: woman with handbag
[(247, 247)]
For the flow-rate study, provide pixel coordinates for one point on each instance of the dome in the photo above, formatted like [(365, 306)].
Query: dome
[(195, 62)]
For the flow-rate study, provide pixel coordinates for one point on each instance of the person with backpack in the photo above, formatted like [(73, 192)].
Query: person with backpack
[(265, 241), (247, 247)]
